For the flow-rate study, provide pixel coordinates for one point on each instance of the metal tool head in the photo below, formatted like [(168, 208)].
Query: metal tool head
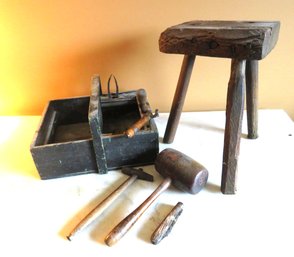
[(156, 114), (139, 172)]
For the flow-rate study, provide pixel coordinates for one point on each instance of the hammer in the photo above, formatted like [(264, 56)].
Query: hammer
[(101, 207), (177, 168)]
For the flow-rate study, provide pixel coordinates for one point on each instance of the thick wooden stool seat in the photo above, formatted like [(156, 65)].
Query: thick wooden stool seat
[(229, 39), (245, 42)]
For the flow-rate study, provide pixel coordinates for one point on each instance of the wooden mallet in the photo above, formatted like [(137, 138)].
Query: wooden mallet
[(177, 168)]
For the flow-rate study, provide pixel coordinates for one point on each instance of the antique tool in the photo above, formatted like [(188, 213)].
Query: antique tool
[(101, 207), (167, 224), (142, 100), (145, 110), (130, 132), (185, 173)]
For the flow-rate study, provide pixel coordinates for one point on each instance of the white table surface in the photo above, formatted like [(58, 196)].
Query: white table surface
[(36, 215)]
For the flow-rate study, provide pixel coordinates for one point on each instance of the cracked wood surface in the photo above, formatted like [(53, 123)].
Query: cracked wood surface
[(230, 39)]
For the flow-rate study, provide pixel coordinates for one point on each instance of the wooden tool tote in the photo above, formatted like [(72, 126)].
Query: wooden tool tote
[(86, 134)]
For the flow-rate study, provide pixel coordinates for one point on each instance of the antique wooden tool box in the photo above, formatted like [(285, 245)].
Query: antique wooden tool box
[(86, 134)]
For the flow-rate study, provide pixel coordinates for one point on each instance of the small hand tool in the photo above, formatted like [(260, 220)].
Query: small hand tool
[(130, 132), (101, 207), (145, 110), (167, 224), (185, 173)]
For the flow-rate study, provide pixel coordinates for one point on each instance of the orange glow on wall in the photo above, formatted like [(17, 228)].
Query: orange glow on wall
[(16, 134), (50, 50)]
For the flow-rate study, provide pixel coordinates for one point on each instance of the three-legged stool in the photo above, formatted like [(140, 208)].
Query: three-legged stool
[(245, 42)]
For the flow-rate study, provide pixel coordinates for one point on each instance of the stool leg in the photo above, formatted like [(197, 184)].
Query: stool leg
[(179, 98), (234, 115), (251, 97)]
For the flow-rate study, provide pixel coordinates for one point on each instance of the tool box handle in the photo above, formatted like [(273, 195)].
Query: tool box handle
[(115, 95), (96, 125)]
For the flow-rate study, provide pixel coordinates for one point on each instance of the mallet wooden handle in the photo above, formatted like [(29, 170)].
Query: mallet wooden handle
[(124, 226)]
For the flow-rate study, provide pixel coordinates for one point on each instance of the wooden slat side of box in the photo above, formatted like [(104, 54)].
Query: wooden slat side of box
[(140, 150), (64, 159)]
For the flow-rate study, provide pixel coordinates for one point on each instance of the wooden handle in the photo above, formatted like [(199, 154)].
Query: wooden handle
[(101, 207), (124, 226), (137, 126), (167, 224)]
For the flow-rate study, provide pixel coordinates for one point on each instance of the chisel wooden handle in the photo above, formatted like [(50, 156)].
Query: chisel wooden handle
[(137, 126), (124, 226)]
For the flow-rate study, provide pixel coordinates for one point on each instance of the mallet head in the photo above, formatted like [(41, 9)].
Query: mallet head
[(186, 174)]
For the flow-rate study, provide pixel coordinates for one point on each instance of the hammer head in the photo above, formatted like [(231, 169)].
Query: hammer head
[(139, 172), (186, 174)]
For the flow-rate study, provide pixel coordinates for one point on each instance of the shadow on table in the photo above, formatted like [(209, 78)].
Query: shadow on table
[(203, 126), (212, 188), (101, 225)]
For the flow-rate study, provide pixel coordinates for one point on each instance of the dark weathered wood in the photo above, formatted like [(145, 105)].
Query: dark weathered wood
[(126, 224), (252, 98), (96, 125), (142, 101), (55, 156), (167, 224), (234, 115), (51, 125), (238, 40), (179, 98), (64, 159), (231, 39), (64, 146), (142, 149), (186, 173)]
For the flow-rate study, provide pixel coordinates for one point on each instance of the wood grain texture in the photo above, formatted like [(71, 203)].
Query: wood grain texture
[(179, 98), (64, 146), (96, 125), (234, 116), (167, 224), (127, 223), (101, 207), (230, 39), (252, 98), (186, 173), (130, 132)]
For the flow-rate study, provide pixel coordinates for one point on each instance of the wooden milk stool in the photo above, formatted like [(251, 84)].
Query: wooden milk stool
[(245, 42)]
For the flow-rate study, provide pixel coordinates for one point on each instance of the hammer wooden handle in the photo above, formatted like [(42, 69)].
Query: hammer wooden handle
[(101, 207), (124, 226)]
